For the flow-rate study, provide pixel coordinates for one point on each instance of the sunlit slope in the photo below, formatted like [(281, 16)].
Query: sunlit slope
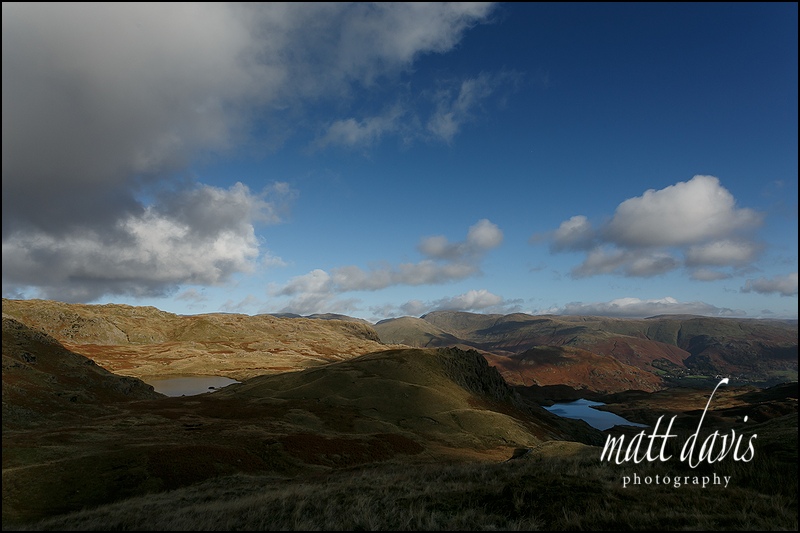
[(144, 341), (415, 332), (449, 396), (574, 367)]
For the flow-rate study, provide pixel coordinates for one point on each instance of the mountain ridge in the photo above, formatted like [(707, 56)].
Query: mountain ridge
[(671, 347), (144, 341)]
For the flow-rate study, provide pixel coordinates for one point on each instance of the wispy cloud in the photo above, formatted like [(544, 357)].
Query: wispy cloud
[(192, 295), (783, 285), (455, 108), (705, 274), (455, 104), (246, 305), (354, 133), (445, 262), (480, 300), (638, 308)]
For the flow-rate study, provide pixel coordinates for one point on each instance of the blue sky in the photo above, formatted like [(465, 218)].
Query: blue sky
[(382, 160)]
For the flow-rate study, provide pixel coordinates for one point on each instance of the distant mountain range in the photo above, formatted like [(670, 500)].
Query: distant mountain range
[(598, 354), (548, 350)]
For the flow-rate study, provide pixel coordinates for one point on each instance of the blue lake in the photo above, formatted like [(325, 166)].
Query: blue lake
[(189, 385), (582, 410)]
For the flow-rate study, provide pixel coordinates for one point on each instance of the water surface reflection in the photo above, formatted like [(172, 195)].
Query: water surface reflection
[(188, 385), (582, 410)]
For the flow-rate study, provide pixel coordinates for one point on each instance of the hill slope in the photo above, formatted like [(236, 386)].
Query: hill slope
[(412, 406), (144, 341), (574, 367), (42, 380), (449, 396)]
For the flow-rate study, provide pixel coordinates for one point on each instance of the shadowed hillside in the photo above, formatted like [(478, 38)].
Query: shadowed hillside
[(449, 396), (399, 405), (42, 381)]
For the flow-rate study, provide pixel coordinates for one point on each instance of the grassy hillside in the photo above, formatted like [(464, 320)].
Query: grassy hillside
[(413, 405), (43, 381)]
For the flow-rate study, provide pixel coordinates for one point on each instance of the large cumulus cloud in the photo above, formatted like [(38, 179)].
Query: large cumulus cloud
[(105, 105), (695, 224)]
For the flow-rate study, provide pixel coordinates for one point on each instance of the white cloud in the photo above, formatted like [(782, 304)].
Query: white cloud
[(311, 303), (205, 236), (315, 282), (447, 262), (686, 213), (783, 285), (473, 300), (480, 300), (411, 308), (481, 237), (269, 261), (312, 293), (722, 253), (698, 219), (426, 272), (573, 234), (637, 308), (637, 263), (651, 264)]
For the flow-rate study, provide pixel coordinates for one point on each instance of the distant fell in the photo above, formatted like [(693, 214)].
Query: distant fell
[(576, 368), (671, 347), (144, 341)]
